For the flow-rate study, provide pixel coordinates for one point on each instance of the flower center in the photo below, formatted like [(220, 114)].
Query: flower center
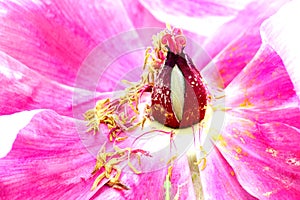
[(178, 99)]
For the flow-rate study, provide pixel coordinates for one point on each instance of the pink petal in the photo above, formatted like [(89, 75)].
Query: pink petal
[(265, 156), (245, 24), (139, 15), (281, 32), (25, 89), (235, 43), (233, 58), (48, 160), (263, 84), (10, 128), (261, 131), (219, 180), (120, 57), (202, 17), (287, 114), (54, 37)]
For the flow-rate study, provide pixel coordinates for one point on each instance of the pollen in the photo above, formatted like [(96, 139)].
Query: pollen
[(219, 138), (267, 194), (238, 150), (272, 151), (246, 103)]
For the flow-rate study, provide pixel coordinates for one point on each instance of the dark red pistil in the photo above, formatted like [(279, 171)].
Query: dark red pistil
[(195, 94)]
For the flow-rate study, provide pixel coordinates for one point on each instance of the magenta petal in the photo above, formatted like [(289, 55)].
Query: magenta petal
[(263, 84), (235, 43), (219, 180), (245, 24), (261, 134), (25, 89), (233, 58), (48, 160), (265, 157), (281, 32), (288, 114), (10, 126), (54, 37)]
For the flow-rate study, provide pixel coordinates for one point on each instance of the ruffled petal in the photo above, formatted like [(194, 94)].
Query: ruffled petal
[(54, 37), (245, 23), (282, 33), (235, 43), (8, 123), (264, 156), (263, 84), (219, 180), (261, 130), (233, 58), (48, 160), (24, 89)]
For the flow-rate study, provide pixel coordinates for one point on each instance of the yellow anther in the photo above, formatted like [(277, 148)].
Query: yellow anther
[(168, 26), (170, 168), (118, 174), (147, 54), (97, 180), (134, 109), (203, 166), (120, 139), (102, 104), (132, 119)]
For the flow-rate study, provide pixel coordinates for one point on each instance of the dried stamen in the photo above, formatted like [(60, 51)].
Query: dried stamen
[(109, 162)]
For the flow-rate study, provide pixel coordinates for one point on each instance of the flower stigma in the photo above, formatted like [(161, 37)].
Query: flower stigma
[(171, 95)]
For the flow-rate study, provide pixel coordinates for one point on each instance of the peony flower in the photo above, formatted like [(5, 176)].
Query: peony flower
[(46, 152)]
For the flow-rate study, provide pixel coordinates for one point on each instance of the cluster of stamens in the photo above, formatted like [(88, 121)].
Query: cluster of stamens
[(108, 163)]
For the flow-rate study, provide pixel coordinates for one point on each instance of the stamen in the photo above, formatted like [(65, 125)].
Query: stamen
[(109, 162), (133, 168), (203, 159), (168, 183), (195, 174), (97, 180), (203, 165)]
